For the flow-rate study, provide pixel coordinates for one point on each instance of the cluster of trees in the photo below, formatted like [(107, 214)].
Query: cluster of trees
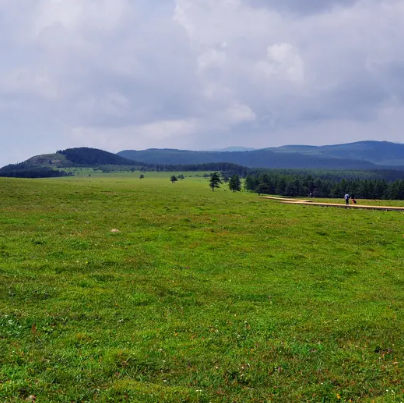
[(14, 171), (295, 184), (234, 182), (174, 178)]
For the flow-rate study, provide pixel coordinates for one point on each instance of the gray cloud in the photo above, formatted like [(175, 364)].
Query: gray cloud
[(198, 73), (302, 7)]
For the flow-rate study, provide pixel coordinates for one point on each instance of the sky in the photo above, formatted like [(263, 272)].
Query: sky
[(198, 74)]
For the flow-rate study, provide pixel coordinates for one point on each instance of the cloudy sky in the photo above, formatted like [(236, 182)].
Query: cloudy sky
[(198, 74)]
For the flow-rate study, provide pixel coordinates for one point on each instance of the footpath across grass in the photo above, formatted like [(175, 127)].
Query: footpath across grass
[(120, 289)]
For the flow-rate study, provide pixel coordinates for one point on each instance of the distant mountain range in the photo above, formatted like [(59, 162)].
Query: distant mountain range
[(231, 149), (364, 155), (377, 152), (360, 155)]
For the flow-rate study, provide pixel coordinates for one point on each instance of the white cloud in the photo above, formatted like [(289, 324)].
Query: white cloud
[(282, 62)]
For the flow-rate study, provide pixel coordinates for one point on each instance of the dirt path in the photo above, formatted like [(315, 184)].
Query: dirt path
[(341, 205)]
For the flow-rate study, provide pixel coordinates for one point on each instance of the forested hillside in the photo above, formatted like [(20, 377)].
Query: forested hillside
[(254, 159), (92, 157)]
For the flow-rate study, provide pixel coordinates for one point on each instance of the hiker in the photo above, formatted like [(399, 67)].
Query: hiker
[(353, 199), (346, 197)]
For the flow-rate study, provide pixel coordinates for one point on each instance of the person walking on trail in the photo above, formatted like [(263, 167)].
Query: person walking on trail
[(346, 197), (353, 199)]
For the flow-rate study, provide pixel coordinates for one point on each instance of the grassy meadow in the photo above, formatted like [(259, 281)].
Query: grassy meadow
[(116, 289)]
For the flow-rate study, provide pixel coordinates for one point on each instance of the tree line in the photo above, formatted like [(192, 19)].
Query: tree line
[(295, 184), (334, 175), (31, 173)]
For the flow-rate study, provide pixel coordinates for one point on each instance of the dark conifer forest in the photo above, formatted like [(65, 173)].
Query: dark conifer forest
[(328, 184)]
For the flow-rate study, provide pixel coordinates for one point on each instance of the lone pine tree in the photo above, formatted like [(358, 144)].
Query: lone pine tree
[(214, 180)]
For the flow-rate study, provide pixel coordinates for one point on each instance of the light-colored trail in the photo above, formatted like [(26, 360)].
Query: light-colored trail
[(340, 205)]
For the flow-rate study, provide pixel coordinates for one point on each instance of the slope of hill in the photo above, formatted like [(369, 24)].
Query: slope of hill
[(50, 165), (380, 153), (40, 166), (91, 156)]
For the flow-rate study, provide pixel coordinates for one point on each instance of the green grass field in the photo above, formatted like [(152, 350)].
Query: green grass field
[(200, 297)]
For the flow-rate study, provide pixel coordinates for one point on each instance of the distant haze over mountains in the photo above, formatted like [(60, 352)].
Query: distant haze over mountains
[(359, 155)]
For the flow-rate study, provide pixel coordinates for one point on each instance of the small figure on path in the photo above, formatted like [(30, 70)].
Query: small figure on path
[(346, 197), (353, 199)]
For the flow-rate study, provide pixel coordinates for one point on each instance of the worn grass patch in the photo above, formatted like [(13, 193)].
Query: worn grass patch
[(200, 297)]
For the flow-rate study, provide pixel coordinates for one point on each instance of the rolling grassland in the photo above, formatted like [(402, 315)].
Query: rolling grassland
[(115, 289)]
